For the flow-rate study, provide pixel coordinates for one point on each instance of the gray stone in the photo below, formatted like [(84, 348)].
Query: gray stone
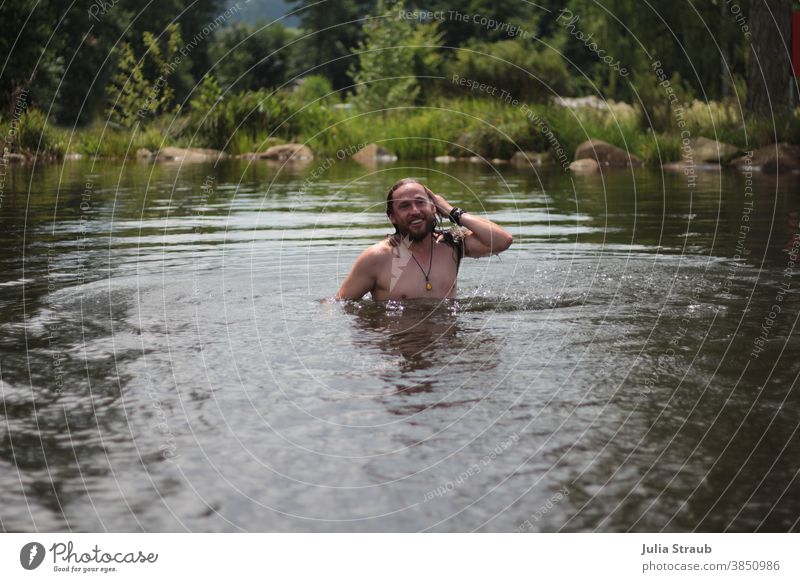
[(709, 150), (776, 158), (584, 166), (523, 159), (173, 154), (288, 152), (606, 154), (373, 153)]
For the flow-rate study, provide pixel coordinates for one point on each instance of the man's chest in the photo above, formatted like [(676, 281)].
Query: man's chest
[(407, 277)]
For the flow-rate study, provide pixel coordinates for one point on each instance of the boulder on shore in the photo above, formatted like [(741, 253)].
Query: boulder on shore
[(445, 159), (252, 156), (584, 166), (690, 168), (523, 159), (606, 154), (772, 159), (172, 154), (14, 158), (711, 151), (373, 153), (288, 152)]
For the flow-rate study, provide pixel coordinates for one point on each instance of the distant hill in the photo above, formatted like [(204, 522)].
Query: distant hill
[(266, 10)]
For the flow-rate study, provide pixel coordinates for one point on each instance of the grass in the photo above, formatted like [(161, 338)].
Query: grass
[(33, 135), (461, 127)]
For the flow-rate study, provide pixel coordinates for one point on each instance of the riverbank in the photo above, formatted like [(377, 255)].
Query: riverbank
[(248, 125)]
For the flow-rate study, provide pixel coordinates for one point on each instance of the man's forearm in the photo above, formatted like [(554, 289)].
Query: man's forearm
[(487, 232)]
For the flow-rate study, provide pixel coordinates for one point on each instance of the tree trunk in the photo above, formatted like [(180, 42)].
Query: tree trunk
[(770, 67), (726, 67)]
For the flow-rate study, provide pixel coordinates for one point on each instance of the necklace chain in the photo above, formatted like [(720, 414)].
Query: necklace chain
[(428, 285)]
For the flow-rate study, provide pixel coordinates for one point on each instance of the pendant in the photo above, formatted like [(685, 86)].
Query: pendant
[(428, 286)]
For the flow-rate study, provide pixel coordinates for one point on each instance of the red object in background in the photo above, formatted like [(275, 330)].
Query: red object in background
[(796, 43)]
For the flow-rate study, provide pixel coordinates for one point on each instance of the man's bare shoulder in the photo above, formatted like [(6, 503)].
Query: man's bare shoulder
[(381, 250), (375, 255)]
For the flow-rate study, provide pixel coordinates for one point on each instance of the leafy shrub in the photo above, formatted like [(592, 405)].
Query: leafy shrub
[(252, 57), (525, 70), (660, 99), (313, 88), (218, 118), (386, 77), (35, 135), (135, 95)]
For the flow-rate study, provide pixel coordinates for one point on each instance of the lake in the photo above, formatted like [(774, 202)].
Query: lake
[(169, 361)]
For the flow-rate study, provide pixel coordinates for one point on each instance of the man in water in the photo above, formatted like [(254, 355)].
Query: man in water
[(419, 261)]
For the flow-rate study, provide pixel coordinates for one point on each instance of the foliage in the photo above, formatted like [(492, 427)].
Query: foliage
[(58, 50), (313, 88), (397, 60), (35, 135), (217, 118), (104, 141), (386, 77), (662, 100), (332, 34), (135, 95), (525, 70), (461, 25), (638, 34), (25, 28), (253, 57)]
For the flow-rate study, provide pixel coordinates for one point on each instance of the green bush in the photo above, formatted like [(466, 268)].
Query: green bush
[(36, 136), (110, 142), (135, 95), (313, 88), (390, 57), (526, 70), (656, 149), (216, 120), (660, 98)]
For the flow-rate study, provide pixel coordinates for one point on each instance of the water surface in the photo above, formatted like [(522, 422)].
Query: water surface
[(169, 361)]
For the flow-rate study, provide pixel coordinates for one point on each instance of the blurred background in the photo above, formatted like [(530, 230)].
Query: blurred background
[(78, 77)]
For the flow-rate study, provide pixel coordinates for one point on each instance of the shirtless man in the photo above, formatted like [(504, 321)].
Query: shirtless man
[(419, 261)]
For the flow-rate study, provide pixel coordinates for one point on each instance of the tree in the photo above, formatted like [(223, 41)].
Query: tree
[(769, 72), (135, 95), (481, 20), (334, 29), (253, 57), (386, 76), (26, 67), (58, 51), (702, 45)]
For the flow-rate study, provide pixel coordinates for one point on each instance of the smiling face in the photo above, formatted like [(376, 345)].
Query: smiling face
[(412, 211)]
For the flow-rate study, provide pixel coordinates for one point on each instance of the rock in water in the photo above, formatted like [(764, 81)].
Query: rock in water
[(584, 166), (288, 152), (606, 154), (372, 153)]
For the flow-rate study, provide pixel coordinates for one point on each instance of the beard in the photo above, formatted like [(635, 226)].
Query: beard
[(418, 234)]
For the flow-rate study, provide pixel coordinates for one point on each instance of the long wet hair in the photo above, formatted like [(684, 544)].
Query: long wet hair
[(456, 242)]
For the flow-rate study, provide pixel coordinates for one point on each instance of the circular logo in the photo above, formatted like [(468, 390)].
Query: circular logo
[(31, 555)]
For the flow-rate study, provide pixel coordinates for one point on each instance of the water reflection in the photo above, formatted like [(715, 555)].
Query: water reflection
[(427, 343)]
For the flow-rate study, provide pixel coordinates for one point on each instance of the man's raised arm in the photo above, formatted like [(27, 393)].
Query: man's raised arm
[(486, 238)]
